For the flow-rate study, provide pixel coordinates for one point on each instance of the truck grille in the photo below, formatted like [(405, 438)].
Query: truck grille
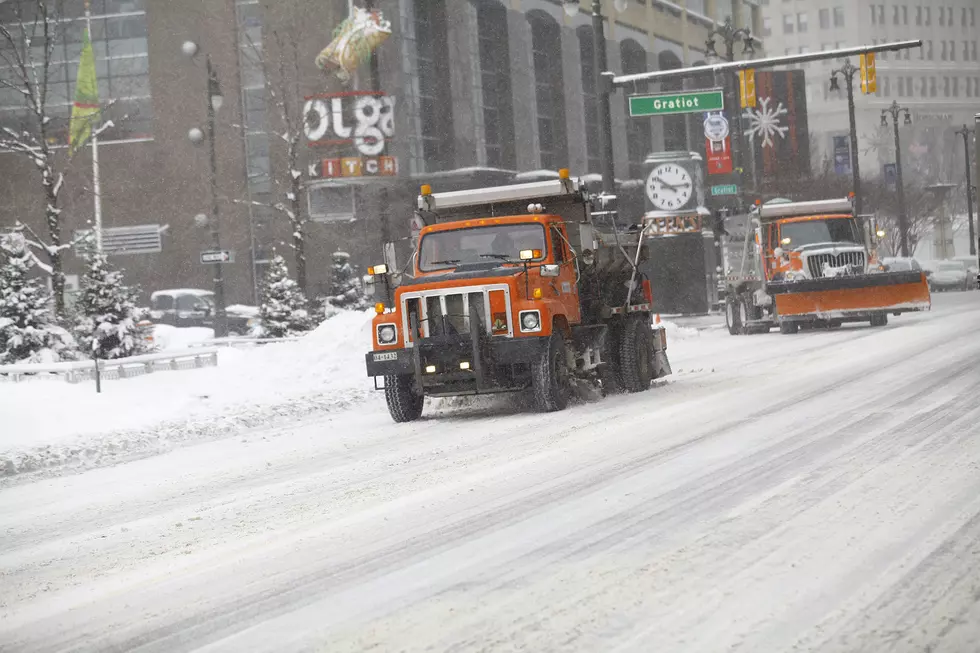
[(454, 313), (815, 262)]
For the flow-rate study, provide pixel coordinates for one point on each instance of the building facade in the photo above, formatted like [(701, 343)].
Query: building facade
[(483, 90), (939, 83)]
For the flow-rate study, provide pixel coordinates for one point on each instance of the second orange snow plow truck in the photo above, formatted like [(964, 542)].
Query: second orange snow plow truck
[(515, 288), (793, 264)]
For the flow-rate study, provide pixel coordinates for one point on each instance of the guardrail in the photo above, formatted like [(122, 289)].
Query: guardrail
[(241, 342), (120, 368)]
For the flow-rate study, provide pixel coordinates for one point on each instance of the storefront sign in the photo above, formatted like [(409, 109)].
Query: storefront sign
[(351, 132)]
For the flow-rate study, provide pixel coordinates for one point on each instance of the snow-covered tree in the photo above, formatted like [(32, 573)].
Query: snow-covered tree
[(284, 310), (28, 330), (345, 285), (29, 50), (107, 317)]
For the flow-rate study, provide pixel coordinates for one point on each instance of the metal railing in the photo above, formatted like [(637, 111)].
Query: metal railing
[(120, 368)]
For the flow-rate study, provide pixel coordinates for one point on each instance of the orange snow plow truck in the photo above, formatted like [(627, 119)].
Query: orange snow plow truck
[(799, 264), (515, 289)]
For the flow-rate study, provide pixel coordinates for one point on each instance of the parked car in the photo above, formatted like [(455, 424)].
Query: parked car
[(192, 307), (899, 264), (971, 269), (949, 275)]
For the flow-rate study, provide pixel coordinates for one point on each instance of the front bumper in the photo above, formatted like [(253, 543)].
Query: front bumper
[(854, 296), (495, 364)]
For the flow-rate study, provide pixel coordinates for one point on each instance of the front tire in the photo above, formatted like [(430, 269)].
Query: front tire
[(636, 355), (550, 376), (732, 320), (404, 403), (789, 328), (879, 319)]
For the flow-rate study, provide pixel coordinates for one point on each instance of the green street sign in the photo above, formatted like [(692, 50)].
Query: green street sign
[(664, 104), (724, 189)]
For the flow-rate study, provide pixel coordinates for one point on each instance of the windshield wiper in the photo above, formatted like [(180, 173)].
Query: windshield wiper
[(499, 257), (448, 261)]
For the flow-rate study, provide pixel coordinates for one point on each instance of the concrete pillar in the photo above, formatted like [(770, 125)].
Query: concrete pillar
[(526, 149), (465, 85), (571, 64)]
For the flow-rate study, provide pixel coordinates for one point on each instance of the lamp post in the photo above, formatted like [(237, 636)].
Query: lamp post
[(965, 133), (730, 35), (895, 110), (603, 88), (214, 102), (847, 71)]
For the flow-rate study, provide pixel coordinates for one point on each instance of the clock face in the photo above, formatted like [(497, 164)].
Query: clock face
[(669, 186)]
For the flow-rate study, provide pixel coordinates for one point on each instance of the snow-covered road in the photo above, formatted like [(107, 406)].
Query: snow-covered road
[(819, 492)]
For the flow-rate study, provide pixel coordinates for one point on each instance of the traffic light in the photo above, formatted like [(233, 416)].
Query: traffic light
[(746, 87), (869, 80)]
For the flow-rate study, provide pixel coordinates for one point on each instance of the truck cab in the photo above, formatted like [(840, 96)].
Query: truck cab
[(511, 288)]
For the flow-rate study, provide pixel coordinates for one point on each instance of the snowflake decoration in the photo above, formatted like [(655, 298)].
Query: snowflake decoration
[(764, 122)]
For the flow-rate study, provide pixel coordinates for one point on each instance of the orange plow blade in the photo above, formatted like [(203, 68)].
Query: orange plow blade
[(889, 292)]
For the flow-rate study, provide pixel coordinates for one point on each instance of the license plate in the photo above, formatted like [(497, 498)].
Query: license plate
[(387, 356)]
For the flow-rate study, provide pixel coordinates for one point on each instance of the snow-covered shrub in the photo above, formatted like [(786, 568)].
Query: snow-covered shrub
[(284, 311), (107, 318), (28, 330), (345, 285)]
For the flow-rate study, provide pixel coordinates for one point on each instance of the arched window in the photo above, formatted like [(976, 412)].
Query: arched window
[(549, 89), (498, 109), (586, 48), (639, 131), (675, 127), (435, 100)]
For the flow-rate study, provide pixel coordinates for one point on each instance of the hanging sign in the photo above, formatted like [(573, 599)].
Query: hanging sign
[(351, 132), (353, 41)]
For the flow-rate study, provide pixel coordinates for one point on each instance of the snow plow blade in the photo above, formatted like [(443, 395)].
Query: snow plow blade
[(841, 297)]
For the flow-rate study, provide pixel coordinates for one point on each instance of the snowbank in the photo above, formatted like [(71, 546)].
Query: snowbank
[(321, 372), (169, 337)]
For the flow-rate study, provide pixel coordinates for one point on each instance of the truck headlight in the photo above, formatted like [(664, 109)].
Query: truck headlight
[(530, 321), (387, 334)]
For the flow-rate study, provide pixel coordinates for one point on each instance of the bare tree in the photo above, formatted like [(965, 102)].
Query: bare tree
[(287, 171), (26, 51)]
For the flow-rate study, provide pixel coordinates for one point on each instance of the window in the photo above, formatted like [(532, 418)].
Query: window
[(924, 87), (787, 23), (918, 15), (901, 87), (946, 86), (895, 15), (498, 111), (549, 89), (905, 15), (838, 16), (952, 50), (909, 87), (435, 100), (119, 42), (801, 22), (881, 14), (942, 17), (942, 55), (331, 203), (966, 50), (874, 15), (589, 96), (932, 87), (767, 26), (804, 50), (887, 87), (963, 19), (956, 87), (973, 18), (969, 87), (825, 19), (929, 50), (558, 244), (973, 51), (928, 16), (639, 133)]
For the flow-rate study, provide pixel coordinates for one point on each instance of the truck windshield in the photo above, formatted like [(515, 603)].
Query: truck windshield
[(812, 232), (443, 250)]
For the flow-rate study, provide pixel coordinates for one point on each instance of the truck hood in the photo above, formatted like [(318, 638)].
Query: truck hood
[(465, 275)]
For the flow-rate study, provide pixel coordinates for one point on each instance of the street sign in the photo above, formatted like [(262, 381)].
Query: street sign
[(724, 189), (218, 256), (891, 175), (665, 104)]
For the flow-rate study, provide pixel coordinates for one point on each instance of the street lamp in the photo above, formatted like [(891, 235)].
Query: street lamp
[(965, 133), (894, 111), (603, 88), (730, 35), (215, 100), (847, 72)]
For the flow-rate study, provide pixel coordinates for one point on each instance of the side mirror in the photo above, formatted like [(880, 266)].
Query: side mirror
[(778, 252), (550, 270)]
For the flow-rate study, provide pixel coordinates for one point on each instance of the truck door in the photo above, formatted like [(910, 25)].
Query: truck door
[(565, 285)]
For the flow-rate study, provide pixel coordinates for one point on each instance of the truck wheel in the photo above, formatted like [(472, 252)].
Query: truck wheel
[(732, 320), (636, 355), (609, 370), (550, 378), (404, 403), (879, 319), (789, 328)]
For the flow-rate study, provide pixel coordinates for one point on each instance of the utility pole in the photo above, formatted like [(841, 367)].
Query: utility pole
[(965, 133), (903, 219), (847, 71), (602, 96)]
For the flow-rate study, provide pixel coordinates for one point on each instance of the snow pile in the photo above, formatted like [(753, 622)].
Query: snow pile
[(677, 332), (322, 372)]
